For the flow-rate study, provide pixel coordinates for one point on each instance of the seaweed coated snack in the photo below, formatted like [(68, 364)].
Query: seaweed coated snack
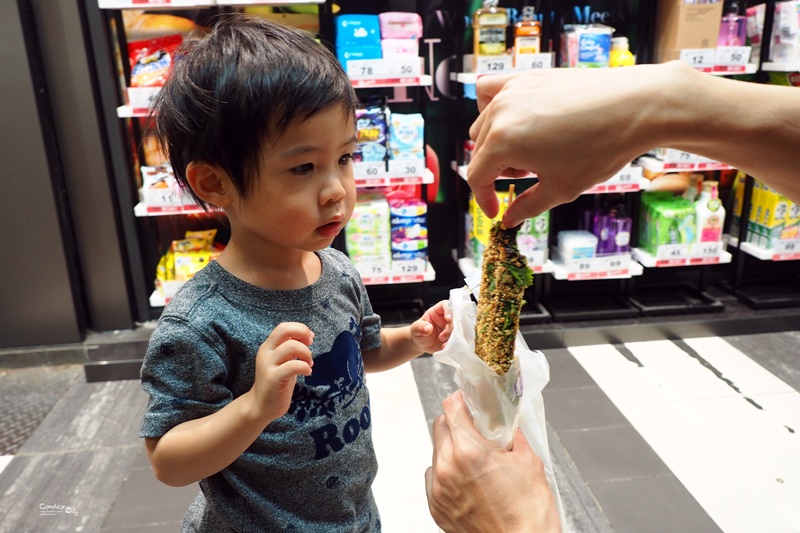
[(504, 277)]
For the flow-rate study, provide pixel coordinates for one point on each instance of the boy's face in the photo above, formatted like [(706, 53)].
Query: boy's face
[(305, 192)]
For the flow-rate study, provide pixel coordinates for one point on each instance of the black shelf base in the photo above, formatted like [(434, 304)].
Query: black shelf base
[(674, 300), (768, 294), (590, 306)]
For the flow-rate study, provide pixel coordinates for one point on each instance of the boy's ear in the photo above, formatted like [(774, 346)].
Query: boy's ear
[(210, 183)]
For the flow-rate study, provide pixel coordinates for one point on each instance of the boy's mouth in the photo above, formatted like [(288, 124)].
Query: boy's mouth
[(331, 229)]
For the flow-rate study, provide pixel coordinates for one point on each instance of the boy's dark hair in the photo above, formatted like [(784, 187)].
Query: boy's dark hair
[(238, 86)]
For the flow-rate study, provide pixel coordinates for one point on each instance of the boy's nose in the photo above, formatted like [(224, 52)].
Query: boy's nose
[(333, 191)]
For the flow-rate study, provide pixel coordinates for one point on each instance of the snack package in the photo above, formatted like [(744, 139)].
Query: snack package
[(152, 59), (500, 404)]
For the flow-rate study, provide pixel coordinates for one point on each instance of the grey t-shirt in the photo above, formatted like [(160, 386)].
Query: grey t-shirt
[(310, 470)]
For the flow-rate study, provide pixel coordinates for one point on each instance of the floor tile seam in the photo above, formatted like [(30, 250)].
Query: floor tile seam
[(580, 387), (77, 450), (138, 527), (593, 428), (633, 478)]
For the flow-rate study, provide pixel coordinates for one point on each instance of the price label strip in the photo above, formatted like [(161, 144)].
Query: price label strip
[(626, 180), (786, 250), (703, 59), (494, 64), (611, 266), (534, 61), (732, 59), (368, 72)]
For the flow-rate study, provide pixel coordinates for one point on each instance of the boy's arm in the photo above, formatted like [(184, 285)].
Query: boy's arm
[(203, 446), (400, 345)]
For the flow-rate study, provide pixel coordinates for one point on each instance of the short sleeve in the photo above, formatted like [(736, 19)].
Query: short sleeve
[(185, 376), (370, 321)]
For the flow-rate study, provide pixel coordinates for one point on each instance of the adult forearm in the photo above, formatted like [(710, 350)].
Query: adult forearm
[(202, 447), (753, 127)]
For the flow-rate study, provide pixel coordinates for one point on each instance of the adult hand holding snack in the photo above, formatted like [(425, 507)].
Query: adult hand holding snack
[(476, 486), (577, 127)]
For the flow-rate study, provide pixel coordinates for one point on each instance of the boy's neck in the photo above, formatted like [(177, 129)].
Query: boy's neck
[(286, 272)]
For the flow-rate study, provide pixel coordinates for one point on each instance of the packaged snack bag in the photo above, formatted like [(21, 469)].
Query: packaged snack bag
[(151, 60)]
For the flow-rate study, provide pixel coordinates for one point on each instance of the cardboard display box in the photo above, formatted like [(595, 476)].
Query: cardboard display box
[(682, 26)]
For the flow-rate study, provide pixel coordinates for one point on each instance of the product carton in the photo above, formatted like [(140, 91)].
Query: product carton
[(681, 26)]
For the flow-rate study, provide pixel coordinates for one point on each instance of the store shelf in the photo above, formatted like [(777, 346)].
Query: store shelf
[(399, 277), (397, 172), (629, 179), (419, 81), (788, 250), (167, 4), (576, 273), (153, 4), (780, 67), (683, 255), (750, 68), (656, 165), (468, 268), (142, 210)]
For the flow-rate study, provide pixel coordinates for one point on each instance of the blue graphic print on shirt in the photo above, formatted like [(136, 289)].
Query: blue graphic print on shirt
[(335, 382)]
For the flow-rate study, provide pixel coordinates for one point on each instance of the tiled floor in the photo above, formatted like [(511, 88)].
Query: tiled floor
[(695, 436)]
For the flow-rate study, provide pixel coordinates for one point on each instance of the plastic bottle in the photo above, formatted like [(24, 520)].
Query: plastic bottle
[(710, 214), (489, 25), (527, 35), (620, 54), (733, 26)]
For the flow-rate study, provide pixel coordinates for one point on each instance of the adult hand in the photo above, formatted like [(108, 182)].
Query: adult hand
[(474, 486), (573, 127)]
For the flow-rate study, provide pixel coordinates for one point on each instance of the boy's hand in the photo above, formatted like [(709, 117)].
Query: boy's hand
[(430, 333), (281, 357)]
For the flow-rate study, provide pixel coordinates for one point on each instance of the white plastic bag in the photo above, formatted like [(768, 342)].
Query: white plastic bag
[(500, 404)]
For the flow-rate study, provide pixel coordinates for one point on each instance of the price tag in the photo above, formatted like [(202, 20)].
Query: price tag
[(536, 259), (732, 56), (613, 265), (369, 169), (673, 251), (786, 249), (406, 168), (409, 267), (373, 271), (139, 98), (393, 68), (707, 249), (700, 58), (494, 64), (534, 61)]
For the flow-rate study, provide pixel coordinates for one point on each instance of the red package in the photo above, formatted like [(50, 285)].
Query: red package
[(151, 60)]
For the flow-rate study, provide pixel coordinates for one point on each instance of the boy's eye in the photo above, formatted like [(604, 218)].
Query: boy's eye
[(304, 169), (346, 158)]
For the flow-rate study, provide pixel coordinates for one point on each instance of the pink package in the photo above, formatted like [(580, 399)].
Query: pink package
[(400, 25), (399, 47)]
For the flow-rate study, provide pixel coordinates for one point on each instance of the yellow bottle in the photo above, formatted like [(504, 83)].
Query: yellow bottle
[(489, 25), (620, 54), (527, 35)]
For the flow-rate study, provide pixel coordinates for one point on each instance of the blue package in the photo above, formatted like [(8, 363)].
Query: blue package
[(407, 133), (358, 30), (348, 53), (593, 49)]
